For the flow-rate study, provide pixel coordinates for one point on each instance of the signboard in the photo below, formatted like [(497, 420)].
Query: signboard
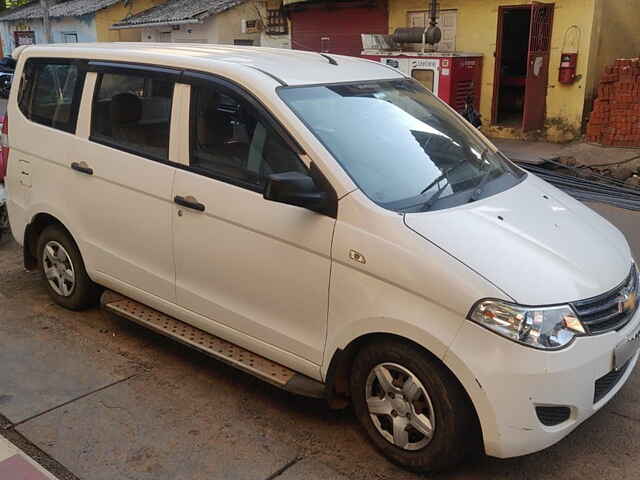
[(24, 37), (424, 63)]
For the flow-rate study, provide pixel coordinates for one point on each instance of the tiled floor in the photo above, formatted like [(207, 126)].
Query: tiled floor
[(15, 465)]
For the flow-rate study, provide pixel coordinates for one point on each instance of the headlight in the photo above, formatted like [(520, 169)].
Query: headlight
[(546, 328)]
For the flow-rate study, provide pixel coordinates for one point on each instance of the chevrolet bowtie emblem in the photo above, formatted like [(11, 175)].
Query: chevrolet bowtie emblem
[(628, 302)]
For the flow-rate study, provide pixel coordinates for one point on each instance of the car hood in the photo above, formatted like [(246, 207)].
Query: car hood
[(535, 243)]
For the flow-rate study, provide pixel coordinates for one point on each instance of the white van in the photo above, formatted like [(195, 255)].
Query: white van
[(326, 224)]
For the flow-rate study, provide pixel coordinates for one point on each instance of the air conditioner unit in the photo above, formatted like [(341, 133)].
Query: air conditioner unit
[(250, 26)]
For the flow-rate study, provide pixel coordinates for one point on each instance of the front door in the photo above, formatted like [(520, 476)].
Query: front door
[(257, 267), (537, 66)]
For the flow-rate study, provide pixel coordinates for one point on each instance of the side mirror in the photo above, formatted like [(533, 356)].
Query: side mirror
[(295, 188)]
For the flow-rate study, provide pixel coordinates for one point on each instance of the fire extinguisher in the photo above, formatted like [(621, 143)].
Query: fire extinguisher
[(569, 57)]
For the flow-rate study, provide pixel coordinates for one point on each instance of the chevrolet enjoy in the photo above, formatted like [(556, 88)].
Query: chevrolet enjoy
[(327, 224)]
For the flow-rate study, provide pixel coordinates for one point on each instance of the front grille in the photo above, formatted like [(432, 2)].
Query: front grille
[(606, 312), (606, 383), (551, 416)]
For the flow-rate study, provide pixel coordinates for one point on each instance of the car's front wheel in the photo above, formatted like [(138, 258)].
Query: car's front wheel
[(411, 406), (64, 271)]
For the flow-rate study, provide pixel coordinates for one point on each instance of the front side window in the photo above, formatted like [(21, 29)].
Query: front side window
[(231, 141), (50, 93), (402, 146), (133, 113)]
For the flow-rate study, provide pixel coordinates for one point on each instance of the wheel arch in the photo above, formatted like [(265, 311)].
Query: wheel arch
[(338, 372), (32, 232)]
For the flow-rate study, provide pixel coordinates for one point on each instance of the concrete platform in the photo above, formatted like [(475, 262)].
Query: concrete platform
[(585, 153), (16, 465)]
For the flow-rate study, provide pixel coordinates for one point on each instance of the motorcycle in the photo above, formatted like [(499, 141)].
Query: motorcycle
[(470, 114), (7, 69), (5, 84)]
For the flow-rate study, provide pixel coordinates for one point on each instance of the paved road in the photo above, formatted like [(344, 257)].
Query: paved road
[(97, 397)]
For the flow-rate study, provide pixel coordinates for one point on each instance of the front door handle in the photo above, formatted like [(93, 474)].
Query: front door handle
[(189, 202), (82, 167)]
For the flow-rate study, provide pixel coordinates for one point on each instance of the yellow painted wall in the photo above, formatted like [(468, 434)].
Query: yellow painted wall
[(227, 26), (616, 34), (108, 16), (477, 33)]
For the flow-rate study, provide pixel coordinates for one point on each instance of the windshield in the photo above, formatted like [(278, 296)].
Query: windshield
[(402, 146)]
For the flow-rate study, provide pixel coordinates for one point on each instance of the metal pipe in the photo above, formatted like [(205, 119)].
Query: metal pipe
[(588, 190)]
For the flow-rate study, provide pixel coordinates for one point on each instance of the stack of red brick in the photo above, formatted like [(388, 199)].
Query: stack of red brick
[(615, 119)]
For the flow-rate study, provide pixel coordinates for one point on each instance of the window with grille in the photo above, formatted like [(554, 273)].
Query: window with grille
[(276, 22)]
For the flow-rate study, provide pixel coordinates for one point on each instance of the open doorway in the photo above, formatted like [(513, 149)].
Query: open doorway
[(516, 24), (521, 65)]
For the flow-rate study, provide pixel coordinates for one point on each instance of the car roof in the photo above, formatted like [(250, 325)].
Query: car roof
[(289, 67)]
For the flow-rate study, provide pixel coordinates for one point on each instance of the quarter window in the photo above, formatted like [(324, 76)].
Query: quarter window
[(50, 93), (231, 141), (133, 113)]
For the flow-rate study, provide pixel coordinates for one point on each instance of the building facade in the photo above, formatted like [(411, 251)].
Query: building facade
[(240, 22), (598, 31), (522, 43), (71, 22)]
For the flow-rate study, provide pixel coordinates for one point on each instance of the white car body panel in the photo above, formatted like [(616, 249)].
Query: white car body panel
[(285, 282), (505, 379), (558, 249), (383, 295), (262, 257)]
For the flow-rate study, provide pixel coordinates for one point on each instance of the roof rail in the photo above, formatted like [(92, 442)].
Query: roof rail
[(271, 75), (332, 60)]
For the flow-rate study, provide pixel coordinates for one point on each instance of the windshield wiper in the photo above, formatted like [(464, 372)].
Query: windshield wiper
[(478, 190), (442, 177), (434, 198)]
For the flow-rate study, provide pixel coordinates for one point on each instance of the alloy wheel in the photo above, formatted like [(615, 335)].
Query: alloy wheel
[(58, 269), (400, 407)]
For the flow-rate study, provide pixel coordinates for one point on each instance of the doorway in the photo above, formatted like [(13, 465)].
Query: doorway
[(521, 65)]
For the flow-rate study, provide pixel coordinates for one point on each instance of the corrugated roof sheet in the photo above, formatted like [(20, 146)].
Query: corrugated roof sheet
[(71, 8), (179, 10)]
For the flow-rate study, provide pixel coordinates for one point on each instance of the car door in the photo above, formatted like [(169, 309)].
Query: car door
[(254, 266), (123, 179)]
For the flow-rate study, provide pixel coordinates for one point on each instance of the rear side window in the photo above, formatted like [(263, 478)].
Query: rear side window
[(50, 92), (133, 113)]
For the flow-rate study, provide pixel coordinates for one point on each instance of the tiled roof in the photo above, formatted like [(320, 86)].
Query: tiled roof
[(71, 8), (179, 10)]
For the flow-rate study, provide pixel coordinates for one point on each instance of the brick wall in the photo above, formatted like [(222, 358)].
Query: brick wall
[(615, 120)]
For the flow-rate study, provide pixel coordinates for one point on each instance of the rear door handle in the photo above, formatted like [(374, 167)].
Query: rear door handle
[(82, 168), (189, 202)]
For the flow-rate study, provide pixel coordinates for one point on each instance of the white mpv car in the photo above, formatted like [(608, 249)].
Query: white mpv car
[(324, 223)]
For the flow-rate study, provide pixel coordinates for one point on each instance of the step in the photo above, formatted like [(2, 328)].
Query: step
[(227, 352)]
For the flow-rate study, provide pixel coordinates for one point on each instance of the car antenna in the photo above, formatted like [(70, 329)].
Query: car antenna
[(332, 60)]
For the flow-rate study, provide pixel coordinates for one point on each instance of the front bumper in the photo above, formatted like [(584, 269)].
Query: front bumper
[(506, 381)]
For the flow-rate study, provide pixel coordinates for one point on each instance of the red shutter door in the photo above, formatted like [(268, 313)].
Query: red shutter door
[(336, 30)]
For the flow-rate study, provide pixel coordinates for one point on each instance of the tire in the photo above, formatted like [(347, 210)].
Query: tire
[(58, 251), (445, 407)]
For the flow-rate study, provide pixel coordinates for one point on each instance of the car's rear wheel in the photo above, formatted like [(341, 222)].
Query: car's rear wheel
[(411, 406), (64, 271)]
